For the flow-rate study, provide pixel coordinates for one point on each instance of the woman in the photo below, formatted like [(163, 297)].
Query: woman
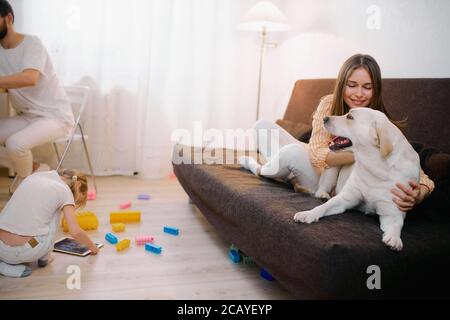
[(358, 86)]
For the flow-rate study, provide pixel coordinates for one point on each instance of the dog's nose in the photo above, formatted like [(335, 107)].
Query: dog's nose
[(326, 119)]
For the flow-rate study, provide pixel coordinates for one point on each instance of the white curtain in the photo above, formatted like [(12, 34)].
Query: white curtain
[(153, 66)]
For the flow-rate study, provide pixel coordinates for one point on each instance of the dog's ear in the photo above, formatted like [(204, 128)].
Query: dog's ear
[(385, 143), (374, 134)]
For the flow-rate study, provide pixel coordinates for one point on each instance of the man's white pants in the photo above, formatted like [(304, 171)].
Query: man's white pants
[(19, 134)]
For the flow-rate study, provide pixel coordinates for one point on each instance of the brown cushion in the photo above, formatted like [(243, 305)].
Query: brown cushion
[(435, 163), (296, 129)]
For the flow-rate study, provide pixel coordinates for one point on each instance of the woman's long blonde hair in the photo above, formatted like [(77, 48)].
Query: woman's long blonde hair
[(339, 107), (78, 184)]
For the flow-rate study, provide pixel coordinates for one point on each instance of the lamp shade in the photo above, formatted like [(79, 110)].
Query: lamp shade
[(262, 15)]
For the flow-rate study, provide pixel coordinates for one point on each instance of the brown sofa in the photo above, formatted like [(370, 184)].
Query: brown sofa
[(330, 259)]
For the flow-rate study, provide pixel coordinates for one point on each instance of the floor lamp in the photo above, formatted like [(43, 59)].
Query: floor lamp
[(263, 17)]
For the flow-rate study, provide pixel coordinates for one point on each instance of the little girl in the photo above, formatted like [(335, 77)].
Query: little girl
[(30, 219)]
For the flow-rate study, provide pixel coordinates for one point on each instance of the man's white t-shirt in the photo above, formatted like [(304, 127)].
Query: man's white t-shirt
[(35, 203), (47, 98)]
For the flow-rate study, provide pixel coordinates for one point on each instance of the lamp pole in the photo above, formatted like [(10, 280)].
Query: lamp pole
[(261, 58)]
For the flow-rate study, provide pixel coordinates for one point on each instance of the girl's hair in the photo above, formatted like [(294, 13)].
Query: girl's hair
[(339, 107), (78, 183)]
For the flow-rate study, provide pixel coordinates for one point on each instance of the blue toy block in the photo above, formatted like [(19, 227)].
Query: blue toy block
[(143, 197), (153, 248), (172, 230), (234, 256), (266, 275), (111, 238)]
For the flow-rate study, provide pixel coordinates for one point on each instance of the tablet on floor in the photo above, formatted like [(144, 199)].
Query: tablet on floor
[(71, 246)]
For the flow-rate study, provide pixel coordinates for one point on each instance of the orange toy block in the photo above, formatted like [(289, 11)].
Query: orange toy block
[(122, 245), (118, 227), (86, 220), (125, 216)]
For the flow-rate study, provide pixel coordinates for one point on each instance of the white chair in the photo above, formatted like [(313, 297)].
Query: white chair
[(78, 96)]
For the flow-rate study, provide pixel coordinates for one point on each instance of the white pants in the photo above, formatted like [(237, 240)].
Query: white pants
[(19, 134), (286, 156), (26, 253)]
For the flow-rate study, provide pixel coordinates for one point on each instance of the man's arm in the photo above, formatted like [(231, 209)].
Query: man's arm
[(26, 78)]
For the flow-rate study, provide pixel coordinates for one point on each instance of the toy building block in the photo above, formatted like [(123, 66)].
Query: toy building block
[(153, 248), (86, 220), (141, 240), (92, 194), (118, 227), (172, 176), (266, 275), (122, 245), (125, 216), (234, 256), (143, 197), (125, 205), (172, 230), (111, 238)]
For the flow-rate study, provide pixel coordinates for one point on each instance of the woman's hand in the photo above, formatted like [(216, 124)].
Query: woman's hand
[(409, 196)]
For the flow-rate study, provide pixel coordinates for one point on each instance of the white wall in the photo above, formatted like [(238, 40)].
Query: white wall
[(412, 42)]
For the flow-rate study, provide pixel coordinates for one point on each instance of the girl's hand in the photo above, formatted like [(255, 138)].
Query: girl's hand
[(407, 197), (94, 250)]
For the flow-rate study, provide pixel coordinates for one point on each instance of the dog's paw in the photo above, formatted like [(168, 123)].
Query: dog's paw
[(393, 242), (306, 216), (322, 195)]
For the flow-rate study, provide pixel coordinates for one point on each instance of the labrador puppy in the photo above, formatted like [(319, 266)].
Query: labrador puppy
[(383, 157)]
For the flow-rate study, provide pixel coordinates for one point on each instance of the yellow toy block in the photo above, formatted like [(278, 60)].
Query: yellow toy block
[(125, 216), (118, 227), (122, 245), (86, 220)]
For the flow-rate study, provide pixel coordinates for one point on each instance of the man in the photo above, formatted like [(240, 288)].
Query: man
[(44, 112)]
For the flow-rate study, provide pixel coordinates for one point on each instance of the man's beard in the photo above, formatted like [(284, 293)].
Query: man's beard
[(3, 31)]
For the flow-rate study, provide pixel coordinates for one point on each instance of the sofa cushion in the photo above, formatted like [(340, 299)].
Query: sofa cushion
[(436, 165), (434, 162)]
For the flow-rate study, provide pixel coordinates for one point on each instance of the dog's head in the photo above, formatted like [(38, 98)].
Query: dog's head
[(364, 127)]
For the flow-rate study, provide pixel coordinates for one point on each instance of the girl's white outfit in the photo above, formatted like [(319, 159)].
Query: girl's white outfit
[(34, 210)]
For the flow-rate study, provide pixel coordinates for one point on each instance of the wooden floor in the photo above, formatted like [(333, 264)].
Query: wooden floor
[(194, 265)]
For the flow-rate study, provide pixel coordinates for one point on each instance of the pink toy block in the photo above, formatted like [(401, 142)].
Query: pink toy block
[(92, 194), (125, 205), (141, 240), (172, 176)]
